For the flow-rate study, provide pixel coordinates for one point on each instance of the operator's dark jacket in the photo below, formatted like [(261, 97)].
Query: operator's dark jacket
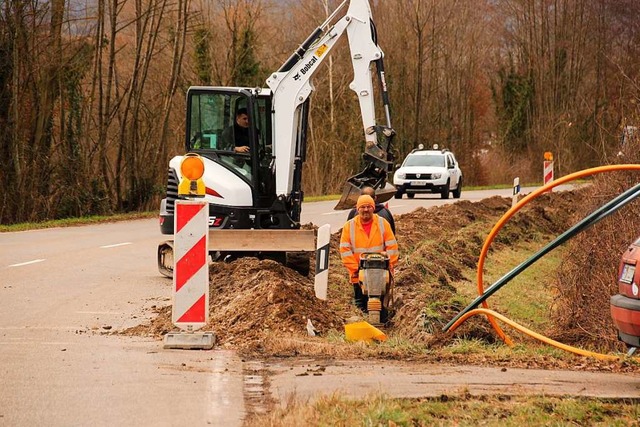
[(380, 210), (234, 136)]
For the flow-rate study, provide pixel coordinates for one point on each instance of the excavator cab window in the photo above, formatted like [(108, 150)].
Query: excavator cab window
[(213, 120), (220, 121)]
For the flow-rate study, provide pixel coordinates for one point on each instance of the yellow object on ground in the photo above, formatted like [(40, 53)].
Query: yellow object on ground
[(363, 331)]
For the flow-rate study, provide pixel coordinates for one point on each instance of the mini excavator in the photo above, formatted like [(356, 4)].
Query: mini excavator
[(259, 191)]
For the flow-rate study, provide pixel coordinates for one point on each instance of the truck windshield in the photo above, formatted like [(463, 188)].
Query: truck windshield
[(425, 160)]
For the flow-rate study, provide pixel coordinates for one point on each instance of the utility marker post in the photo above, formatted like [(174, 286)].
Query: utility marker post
[(516, 191), (322, 262)]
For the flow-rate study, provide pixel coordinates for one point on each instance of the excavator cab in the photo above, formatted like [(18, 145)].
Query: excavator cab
[(232, 127)]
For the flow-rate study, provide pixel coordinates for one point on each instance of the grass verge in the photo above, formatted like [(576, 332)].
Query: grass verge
[(70, 222), (459, 410)]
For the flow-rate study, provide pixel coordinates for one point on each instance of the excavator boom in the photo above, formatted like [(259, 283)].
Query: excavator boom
[(291, 87)]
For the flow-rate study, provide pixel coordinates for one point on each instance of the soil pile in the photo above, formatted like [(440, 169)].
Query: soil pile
[(442, 246), (251, 299), (261, 307)]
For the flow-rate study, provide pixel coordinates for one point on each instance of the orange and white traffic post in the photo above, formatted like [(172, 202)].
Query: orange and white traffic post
[(548, 167), (190, 310)]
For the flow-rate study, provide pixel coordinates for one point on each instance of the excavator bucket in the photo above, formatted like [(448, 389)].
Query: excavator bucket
[(386, 193), (379, 162), (350, 194), (352, 191)]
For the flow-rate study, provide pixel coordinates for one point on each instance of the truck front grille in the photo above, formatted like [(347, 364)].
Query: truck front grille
[(422, 176)]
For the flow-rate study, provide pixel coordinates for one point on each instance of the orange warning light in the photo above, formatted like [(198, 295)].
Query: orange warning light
[(192, 169), (548, 156)]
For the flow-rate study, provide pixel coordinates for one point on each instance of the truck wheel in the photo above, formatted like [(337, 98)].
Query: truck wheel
[(411, 195), (458, 191), (398, 194), (445, 191)]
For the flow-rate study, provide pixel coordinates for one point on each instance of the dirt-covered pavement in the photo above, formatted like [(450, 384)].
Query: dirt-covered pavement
[(309, 379)]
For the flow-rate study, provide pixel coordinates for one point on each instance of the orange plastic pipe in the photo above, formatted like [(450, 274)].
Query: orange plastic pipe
[(492, 314), (514, 209)]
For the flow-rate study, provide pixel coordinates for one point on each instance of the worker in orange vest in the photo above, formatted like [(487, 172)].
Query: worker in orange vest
[(366, 232), (380, 209)]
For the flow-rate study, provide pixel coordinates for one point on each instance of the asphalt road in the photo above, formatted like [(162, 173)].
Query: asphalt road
[(64, 291)]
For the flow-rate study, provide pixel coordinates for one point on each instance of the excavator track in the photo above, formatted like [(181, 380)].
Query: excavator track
[(165, 258)]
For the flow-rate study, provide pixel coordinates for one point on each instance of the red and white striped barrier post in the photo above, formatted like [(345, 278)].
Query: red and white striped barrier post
[(190, 276), (548, 168)]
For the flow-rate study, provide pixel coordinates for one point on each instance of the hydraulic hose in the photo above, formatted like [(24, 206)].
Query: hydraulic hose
[(596, 216)]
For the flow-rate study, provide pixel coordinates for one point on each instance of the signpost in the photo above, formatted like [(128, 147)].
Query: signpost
[(190, 276)]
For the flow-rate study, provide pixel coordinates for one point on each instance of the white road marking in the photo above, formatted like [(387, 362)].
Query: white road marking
[(26, 263), (116, 245)]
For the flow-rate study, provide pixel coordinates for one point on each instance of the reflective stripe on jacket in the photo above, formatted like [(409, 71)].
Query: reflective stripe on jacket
[(354, 242)]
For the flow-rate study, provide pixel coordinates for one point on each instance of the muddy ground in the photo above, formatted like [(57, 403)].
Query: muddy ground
[(260, 308)]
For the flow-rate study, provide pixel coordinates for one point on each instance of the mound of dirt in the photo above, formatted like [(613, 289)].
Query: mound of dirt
[(442, 245), (251, 299), (261, 307)]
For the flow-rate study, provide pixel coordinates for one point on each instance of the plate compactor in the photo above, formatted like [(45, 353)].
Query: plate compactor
[(625, 306), (375, 282)]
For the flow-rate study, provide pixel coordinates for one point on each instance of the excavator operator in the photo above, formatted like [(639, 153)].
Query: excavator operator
[(366, 232), (236, 138)]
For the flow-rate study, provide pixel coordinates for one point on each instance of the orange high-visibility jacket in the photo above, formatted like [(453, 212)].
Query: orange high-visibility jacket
[(354, 242)]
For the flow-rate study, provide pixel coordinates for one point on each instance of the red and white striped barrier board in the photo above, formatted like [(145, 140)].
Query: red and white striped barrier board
[(548, 172), (191, 268)]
